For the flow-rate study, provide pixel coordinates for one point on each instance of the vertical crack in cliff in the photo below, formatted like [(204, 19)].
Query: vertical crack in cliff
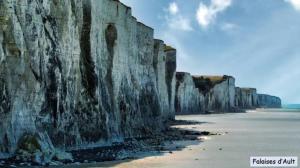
[(111, 36), (87, 65)]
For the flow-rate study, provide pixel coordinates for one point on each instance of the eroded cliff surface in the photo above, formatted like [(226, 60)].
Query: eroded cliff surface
[(204, 94), (188, 99), (268, 101), (164, 64), (79, 73), (219, 92), (83, 73), (246, 98)]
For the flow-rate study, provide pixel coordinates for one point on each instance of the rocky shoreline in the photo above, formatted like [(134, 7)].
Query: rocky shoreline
[(129, 149)]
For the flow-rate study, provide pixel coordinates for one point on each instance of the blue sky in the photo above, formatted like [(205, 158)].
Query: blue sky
[(256, 41)]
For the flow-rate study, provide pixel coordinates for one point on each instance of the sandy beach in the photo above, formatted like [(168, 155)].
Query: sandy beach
[(256, 133)]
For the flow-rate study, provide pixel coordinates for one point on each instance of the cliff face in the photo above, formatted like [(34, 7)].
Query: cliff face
[(246, 98), (219, 92), (85, 73), (171, 65), (164, 64), (267, 101), (201, 94), (80, 73), (188, 99)]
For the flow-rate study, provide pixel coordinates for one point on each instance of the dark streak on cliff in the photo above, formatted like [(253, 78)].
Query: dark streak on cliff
[(54, 63), (179, 79), (206, 83), (111, 36), (87, 65), (5, 105), (170, 71)]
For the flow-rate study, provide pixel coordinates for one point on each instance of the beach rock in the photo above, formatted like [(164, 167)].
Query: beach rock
[(63, 156), (77, 163), (79, 73), (268, 101)]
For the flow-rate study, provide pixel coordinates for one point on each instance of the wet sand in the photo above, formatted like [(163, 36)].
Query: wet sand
[(256, 133)]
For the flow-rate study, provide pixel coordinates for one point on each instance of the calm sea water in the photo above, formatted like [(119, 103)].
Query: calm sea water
[(291, 106)]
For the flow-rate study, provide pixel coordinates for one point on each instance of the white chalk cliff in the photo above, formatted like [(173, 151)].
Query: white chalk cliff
[(188, 98), (80, 73), (85, 73)]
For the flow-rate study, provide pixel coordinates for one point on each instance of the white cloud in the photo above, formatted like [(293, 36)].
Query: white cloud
[(295, 3), (176, 20), (173, 8), (207, 14)]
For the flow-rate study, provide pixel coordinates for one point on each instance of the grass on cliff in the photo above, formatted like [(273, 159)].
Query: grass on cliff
[(248, 90), (168, 48), (206, 83), (213, 79)]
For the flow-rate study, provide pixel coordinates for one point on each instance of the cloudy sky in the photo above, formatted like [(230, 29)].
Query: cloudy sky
[(256, 41)]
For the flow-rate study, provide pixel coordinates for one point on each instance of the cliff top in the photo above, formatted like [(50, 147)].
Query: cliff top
[(169, 48), (129, 9), (214, 79), (122, 4), (180, 75), (206, 83), (159, 41), (267, 95), (248, 89)]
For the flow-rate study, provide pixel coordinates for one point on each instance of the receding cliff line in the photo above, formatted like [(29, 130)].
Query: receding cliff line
[(219, 95), (246, 98), (268, 101)]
